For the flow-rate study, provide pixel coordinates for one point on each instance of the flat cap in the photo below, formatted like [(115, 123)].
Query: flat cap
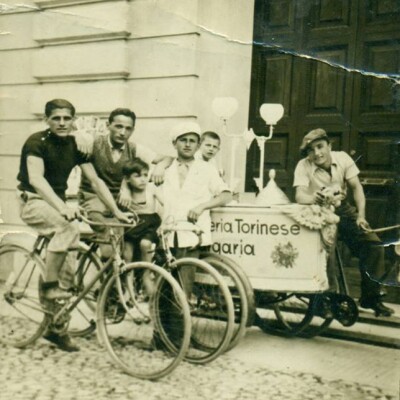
[(312, 136), (184, 128)]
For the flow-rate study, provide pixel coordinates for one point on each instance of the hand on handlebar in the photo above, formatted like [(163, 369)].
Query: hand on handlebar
[(125, 217), (363, 224), (70, 213)]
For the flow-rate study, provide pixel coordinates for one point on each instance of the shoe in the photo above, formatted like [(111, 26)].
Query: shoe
[(379, 308), (56, 293), (62, 342)]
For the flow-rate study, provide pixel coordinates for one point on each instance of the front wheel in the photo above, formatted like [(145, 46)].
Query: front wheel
[(22, 316), (211, 309), (129, 315)]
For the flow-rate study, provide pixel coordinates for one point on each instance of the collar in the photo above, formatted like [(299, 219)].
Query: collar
[(115, 148), (55, 138), (314, 167), (187, 163)]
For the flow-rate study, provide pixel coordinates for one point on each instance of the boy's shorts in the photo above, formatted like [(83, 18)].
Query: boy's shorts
[(146, 229)]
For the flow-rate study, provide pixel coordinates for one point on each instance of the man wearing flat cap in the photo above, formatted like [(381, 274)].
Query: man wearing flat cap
[(323, 172)]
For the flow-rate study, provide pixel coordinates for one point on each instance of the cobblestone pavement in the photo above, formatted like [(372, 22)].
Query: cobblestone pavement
[(42, 372)]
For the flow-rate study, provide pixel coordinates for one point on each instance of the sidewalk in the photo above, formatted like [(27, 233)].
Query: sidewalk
[(333, 360), (370, 329)]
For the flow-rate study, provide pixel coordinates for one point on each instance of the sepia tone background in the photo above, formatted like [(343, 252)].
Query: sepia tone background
[(333, 64)]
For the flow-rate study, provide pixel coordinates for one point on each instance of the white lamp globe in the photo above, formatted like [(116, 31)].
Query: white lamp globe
[(225, 107), (271, 113)]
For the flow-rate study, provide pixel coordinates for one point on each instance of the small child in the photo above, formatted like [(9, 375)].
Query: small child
[(210, 143), (143, 202)]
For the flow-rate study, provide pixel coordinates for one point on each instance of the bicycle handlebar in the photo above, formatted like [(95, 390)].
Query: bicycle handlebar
[(387, 228), (110, 224)]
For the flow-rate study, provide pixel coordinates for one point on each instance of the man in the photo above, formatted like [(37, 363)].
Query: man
[(192, 187), (47, 159), (110, 153), (323, 172)]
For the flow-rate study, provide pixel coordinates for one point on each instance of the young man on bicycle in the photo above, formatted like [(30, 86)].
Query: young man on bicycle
[(47, 159), (323, 172), (110, 153)]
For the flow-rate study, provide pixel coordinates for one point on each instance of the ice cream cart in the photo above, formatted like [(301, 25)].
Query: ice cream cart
[(282, 253)]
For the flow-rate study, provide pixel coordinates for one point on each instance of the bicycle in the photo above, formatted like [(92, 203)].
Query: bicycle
[(209, 297), (127, 318)]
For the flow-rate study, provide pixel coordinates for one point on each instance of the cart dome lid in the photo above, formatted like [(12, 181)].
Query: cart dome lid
[(272, 194)]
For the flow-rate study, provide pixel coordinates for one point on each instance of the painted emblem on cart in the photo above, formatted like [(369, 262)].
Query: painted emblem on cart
[(284, 255)]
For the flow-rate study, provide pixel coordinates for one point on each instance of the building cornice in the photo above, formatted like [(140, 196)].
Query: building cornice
[(93, 37), (45, 4)]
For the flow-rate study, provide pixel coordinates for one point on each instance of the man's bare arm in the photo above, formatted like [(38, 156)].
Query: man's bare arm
[(35, 167), (303, 196), (161, 164), (359, 200), (102, 191), (217, 201)]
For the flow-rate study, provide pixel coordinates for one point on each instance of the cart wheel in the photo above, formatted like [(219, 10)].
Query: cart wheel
[(295, 313), (322, 316)]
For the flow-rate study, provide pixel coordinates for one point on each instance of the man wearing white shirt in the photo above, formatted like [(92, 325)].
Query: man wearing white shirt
[(191, 188), (322, 172)]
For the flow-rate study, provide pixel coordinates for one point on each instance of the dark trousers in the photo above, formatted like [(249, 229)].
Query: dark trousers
[(170, 312), (366, 246)]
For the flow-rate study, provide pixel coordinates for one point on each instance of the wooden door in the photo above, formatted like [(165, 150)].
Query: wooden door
[(318, 59)]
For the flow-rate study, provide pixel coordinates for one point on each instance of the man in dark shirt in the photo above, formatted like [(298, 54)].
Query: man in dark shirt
[(47, 159)]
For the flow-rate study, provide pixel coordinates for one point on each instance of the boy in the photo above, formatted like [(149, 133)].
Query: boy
[(143, 238), (210, 143)]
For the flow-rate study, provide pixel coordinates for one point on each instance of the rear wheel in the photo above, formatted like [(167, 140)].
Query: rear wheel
[(244, 279), (319, 324), (240, 302), (211, 309), (22, 317), (129, 315), (295, 312), (285, 314)]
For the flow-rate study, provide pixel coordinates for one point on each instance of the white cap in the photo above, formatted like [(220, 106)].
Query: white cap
[(183, 128)]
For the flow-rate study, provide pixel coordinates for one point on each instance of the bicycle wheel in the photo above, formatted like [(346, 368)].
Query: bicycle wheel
[(22, 318), (211, 309), (129, 326), (83, 317), (244, 279), (239, 297)]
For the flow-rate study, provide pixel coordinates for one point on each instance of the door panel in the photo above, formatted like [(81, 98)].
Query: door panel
[(332, 64)]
